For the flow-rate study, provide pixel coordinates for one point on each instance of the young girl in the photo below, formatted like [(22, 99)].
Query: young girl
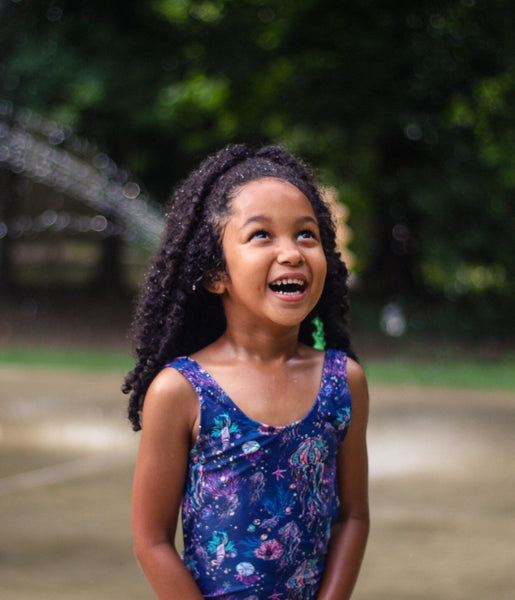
[(243, 422)]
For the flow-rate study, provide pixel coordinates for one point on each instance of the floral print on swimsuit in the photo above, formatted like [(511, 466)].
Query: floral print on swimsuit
[(260, 501)]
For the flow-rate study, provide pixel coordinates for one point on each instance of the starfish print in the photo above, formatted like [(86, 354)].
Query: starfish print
[(279, 473), (275, 596)]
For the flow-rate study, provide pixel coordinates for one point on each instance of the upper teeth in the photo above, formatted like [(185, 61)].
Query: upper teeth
[(289, 281)]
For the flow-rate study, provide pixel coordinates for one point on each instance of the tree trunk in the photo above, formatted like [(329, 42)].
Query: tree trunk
[(7, 192), (108, 277), (394, 267)]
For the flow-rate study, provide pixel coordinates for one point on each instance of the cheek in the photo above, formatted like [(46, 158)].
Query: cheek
[(321, 276), (322, 266)]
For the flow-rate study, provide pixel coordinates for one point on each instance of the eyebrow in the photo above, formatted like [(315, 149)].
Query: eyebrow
[(265, 219)]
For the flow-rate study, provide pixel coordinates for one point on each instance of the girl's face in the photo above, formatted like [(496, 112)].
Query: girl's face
[(275, 264)]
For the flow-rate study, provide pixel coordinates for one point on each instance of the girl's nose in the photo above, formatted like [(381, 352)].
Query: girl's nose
[(290, 254)]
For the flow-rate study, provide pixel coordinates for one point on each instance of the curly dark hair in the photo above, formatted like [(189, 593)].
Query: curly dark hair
[(175, 314)]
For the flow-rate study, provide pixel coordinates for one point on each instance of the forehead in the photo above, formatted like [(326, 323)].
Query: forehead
[(269, 194)]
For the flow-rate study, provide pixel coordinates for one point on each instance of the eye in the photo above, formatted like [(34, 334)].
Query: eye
[(306, 234), (260, 234)]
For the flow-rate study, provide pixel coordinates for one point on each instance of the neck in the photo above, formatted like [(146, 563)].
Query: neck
[(260, 345)]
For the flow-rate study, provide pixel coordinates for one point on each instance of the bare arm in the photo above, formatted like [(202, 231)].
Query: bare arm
[(349, 535), (169, 416)]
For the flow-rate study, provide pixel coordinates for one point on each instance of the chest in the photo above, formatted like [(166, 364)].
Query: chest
[(271, 396)]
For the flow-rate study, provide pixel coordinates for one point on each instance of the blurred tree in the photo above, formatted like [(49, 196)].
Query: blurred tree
[(405, 107)]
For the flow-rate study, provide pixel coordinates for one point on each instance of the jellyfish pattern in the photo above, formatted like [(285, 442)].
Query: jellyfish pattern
[(259, 500)]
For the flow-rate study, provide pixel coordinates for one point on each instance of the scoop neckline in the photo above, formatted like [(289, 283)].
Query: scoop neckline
[(259, 424)]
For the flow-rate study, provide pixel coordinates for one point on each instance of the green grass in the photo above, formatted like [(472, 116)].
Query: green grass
[(65, 358), (453, 371)]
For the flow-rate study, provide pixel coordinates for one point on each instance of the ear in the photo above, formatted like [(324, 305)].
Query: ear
[(215, 282)]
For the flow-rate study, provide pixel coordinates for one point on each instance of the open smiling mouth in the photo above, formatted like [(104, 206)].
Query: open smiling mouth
[(288, 287)]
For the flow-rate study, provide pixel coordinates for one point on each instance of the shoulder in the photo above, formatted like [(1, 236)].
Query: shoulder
[(358, 387), (168, 384), (355, 373), (170, 401)]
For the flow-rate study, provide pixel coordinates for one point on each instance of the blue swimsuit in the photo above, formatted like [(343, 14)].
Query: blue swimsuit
[(260, 500)]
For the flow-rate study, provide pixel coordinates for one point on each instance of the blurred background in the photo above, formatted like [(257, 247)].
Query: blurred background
[(406, 110)]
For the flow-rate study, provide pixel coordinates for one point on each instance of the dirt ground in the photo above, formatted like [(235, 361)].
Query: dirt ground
[(442, 485)]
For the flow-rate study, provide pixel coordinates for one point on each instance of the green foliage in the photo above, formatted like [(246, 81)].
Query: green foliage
[(406, 108)]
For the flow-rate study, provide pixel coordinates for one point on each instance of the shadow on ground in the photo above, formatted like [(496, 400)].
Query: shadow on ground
[(442, 492)]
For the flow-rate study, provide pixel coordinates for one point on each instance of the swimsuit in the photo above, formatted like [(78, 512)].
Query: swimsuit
[(260, 500)]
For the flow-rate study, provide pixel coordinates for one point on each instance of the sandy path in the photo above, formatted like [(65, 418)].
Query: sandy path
[(442, 492)]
